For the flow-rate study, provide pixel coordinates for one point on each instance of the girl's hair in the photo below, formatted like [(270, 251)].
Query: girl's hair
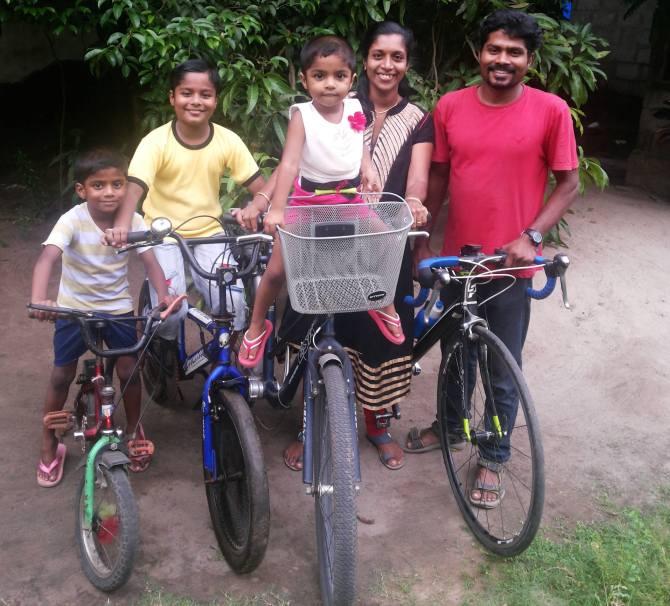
[(198, 66), (385, 28), (515, 24), (94, 160), (324, 46)]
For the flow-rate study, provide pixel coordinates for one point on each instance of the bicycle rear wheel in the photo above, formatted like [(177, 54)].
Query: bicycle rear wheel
[(334, 489), (510, 527), (238, 498), (158, 367), (107, 549)]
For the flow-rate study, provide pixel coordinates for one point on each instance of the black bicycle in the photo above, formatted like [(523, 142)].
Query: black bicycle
[(480, 385)]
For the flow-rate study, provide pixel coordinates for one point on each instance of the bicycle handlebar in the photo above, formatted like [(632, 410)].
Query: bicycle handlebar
[(435, 269), (161, 228), (84, 318)]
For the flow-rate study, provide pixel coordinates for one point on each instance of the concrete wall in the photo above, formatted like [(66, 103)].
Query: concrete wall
[(627, 65), (25, 49)]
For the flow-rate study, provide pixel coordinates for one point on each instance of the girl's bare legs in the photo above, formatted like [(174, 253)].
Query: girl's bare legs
[(268, 290)]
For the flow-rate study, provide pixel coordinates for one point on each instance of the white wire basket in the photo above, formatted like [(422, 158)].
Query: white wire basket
[(344, 257)]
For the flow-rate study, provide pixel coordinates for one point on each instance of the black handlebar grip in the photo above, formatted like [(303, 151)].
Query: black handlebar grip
[(138, 236)]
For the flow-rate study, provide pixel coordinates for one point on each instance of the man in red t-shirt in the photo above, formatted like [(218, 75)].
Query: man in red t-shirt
[(494, 146)]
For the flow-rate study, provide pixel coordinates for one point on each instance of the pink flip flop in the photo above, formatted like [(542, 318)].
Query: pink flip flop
[(254, 345), (57, 464), (381, 319)]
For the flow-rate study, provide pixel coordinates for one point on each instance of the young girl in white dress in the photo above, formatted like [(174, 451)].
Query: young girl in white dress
[(325, 150)]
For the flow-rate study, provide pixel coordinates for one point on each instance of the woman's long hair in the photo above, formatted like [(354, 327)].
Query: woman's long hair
[(385, 28)]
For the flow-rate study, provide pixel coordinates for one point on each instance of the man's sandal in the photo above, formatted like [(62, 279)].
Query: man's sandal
[(488, 488), (385, 457), (249, 346), (54, 470), (140, 451), (383, 321), (415, 444)]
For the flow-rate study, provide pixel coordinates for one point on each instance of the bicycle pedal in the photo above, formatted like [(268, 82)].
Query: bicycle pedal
[(140, 448), (59, 420)]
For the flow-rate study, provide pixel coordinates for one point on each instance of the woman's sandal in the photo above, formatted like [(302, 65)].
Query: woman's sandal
[(385, 457), (140, 451), (383, 321), (256, 345)]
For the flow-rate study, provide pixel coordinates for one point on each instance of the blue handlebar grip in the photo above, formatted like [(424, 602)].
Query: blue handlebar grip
[(544, 292), (420, 298)]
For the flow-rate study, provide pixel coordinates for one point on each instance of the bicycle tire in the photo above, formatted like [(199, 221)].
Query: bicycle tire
[(239, 499), (107, 551), (159, 383), (334, 489), (509, 528)]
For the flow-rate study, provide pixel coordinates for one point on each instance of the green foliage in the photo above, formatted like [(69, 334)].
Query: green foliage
[(255, 46), (626, 562)]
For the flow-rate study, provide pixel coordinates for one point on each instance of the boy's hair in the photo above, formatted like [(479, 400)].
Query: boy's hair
[(515, 24), (99, 158), (198, 66), (324, 46)]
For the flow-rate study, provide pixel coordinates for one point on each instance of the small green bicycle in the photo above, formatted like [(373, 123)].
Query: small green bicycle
[(107, 524)]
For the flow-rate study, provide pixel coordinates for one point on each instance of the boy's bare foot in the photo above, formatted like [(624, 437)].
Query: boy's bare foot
[(293, 456)]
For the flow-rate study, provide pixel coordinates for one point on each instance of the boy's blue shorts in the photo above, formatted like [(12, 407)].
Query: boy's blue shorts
[(69, 345)]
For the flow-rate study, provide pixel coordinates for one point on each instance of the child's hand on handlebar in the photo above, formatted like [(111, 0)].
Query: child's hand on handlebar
[(116, 237), (43, 316), (273, 220), (170, 304), (247, 217)]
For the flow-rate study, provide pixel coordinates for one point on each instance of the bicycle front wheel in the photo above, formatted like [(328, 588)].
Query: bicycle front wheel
[(107, 549), (485, 414), (238, 498), (334, 489)]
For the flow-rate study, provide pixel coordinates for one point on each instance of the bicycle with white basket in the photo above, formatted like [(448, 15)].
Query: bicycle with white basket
[(338, 259)]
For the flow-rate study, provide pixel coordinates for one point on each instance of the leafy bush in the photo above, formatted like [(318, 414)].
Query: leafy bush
[(256, 45)]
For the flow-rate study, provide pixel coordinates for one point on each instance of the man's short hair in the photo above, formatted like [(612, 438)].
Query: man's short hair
[(515, 24)]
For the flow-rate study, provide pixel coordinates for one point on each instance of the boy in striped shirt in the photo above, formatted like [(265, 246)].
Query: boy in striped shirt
[(93, 277)]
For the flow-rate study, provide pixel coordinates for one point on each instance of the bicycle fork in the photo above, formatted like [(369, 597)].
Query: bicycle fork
[(328, 352)]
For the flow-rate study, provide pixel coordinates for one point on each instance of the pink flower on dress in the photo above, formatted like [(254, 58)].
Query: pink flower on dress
[(358, 121)]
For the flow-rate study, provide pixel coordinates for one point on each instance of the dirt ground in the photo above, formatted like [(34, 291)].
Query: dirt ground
[(599, 375)]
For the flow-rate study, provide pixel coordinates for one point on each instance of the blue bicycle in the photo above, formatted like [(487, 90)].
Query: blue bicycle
[(234, 470)]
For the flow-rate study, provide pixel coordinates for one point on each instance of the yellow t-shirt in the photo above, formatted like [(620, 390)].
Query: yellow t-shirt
[(182, 181)]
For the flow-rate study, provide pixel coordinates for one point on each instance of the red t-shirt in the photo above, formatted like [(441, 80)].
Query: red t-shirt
[(499, 158)]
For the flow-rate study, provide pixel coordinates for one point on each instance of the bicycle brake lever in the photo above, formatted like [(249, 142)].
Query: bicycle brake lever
[(564, 292)]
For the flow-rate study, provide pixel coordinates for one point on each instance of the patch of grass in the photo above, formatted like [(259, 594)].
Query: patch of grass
[(619, 563), (155, 596)]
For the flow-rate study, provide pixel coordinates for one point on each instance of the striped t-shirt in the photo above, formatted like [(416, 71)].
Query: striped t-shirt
[(93, 276)]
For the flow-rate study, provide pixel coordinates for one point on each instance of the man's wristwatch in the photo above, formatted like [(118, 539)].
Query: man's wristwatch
[(534, 235)]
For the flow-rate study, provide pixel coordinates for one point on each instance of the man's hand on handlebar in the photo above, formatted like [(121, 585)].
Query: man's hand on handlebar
[(116, 237), (520, 252), (43, 316)]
